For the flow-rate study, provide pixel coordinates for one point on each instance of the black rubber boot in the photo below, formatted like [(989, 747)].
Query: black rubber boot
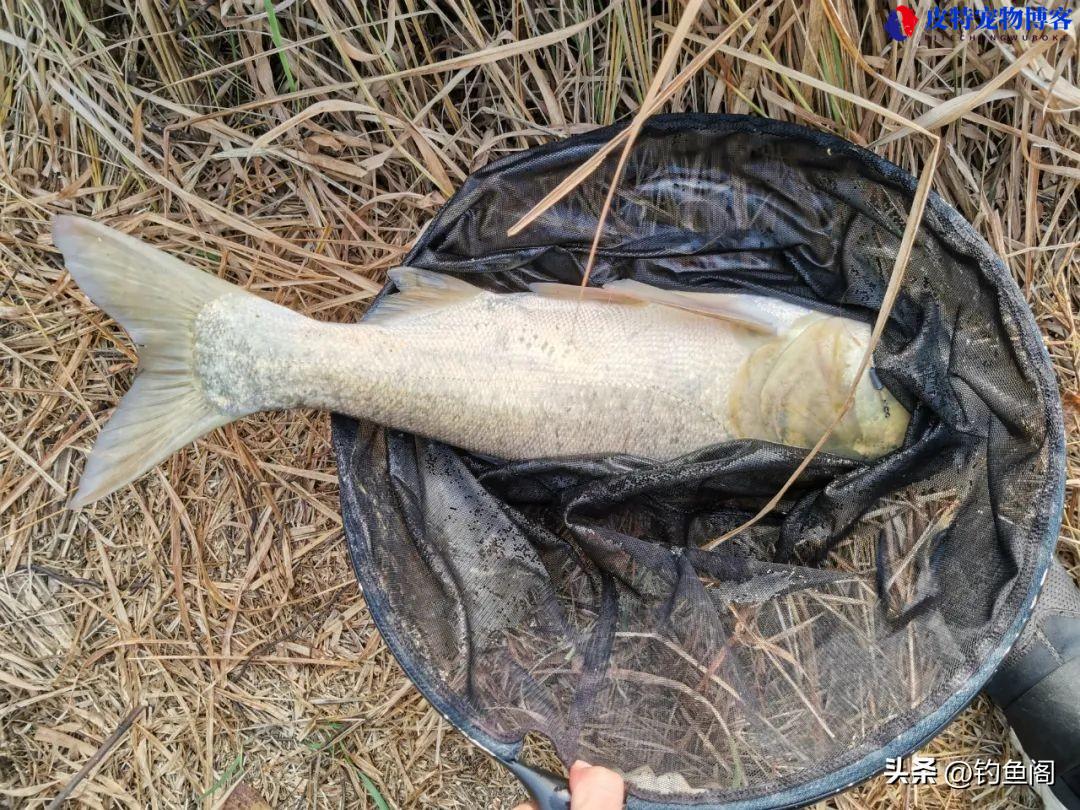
[(1038, 688)]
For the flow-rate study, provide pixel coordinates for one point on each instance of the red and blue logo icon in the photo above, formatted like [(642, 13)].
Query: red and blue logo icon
[(901, 24)]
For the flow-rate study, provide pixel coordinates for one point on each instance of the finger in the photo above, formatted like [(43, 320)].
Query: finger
[(595, 788), (527, 806)]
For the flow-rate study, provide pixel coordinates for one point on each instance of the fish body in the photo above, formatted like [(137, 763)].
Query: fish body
[(555, 372), (512, 375)]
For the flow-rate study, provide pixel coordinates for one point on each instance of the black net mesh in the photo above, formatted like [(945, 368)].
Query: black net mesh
[(571, 597)]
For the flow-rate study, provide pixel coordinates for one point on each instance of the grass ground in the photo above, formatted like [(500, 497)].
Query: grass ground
[(298, 148)]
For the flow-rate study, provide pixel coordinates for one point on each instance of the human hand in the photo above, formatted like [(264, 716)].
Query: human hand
[(591, 788)]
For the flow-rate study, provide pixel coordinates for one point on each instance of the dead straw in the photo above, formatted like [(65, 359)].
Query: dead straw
[(96, 759), (148, 120)]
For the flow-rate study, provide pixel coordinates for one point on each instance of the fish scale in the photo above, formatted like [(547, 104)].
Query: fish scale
[(484, 372)]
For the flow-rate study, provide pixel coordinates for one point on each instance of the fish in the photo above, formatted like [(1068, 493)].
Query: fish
[(557, 371)]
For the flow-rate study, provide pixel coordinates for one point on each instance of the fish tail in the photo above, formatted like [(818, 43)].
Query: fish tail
[(156, 298)]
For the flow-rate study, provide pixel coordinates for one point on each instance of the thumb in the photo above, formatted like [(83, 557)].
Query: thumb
[(595, 788)]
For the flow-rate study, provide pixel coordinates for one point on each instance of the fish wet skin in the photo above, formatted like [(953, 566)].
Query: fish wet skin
[(554, 372)]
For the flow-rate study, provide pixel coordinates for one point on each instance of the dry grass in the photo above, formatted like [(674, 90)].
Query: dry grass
[(299, 156)]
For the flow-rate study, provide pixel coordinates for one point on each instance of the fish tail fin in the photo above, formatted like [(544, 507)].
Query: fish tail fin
[(156, 298)]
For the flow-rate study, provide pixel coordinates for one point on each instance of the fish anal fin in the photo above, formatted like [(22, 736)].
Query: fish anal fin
[(419, 291), (729, 307)]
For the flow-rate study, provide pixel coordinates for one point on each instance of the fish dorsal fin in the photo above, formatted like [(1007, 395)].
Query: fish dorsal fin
[(733, 308), (725, 307), (575, 292), (419, 291)]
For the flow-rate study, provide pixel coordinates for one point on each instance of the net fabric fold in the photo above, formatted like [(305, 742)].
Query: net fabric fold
[(571, 598)]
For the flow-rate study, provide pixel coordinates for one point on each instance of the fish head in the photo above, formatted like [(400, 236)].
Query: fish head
[(792, 387)]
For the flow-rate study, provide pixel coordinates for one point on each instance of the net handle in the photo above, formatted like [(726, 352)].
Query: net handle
[(548, 791)]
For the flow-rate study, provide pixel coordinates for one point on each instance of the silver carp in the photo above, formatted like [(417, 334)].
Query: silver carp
[(559, 371)]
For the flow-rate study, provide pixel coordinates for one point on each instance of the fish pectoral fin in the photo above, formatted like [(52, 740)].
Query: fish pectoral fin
[(419, 291), (730, 307), (575, 292)]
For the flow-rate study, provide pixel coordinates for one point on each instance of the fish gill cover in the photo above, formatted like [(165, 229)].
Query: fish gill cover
[(572, 598)]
